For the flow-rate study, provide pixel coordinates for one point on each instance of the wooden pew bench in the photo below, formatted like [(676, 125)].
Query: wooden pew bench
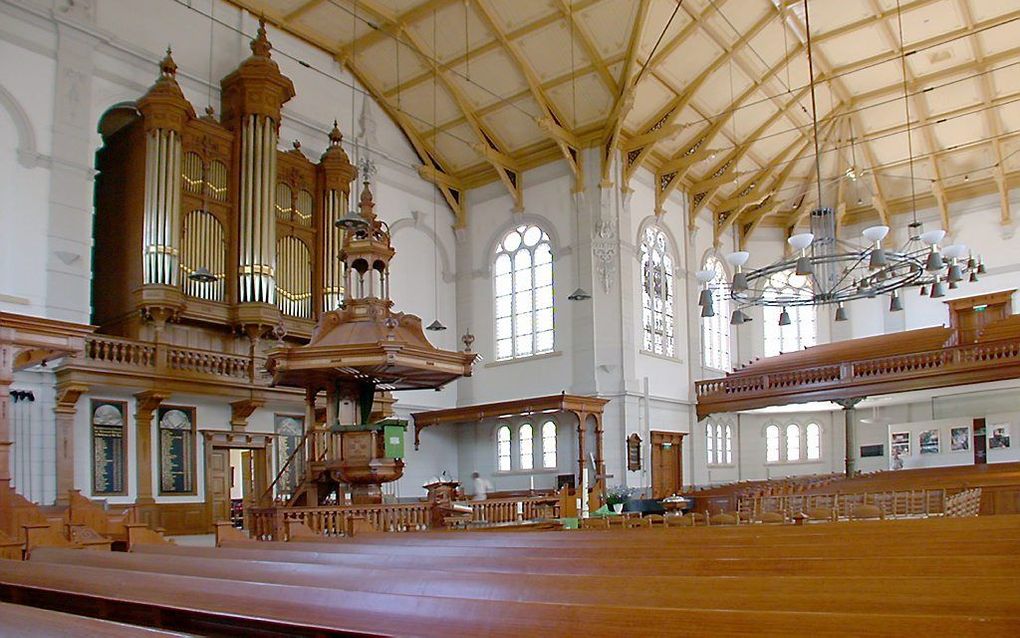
[(17, 621), (208, 605), (987, 595), (907, 566)]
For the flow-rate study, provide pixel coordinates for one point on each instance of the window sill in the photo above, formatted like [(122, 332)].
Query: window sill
[(721, 466), (664, 357), (716, 370), (503, 362), (787, 463), (544, 470)]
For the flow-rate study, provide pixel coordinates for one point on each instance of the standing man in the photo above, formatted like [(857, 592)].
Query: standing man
[(482, 487)]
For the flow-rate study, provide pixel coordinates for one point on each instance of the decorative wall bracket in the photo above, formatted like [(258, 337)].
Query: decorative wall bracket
[(605, 249)]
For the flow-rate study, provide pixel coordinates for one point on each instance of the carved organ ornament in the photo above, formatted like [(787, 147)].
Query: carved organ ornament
[(215, 197)]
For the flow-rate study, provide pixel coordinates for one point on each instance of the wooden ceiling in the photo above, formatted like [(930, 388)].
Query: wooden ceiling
[(711, 95)]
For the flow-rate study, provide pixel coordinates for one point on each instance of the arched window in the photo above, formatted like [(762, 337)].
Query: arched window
[(793, 442), (728, 457), (772, 444), (549, 444), (715, 331), (525, 438), (522, 278), (503, 448), (710, 443), (657, 292), (814, 441), (802, 330)]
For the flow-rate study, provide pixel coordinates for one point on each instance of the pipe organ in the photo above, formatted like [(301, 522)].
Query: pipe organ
[(204, 221)]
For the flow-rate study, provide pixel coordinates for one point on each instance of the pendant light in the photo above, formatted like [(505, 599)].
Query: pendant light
[(352, 221), (202, 275), (436, 325), (784, 318), (895, 304), (841, 313), (580, 294)]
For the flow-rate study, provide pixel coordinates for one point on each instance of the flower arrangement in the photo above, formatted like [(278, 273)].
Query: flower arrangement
[(620, 494)]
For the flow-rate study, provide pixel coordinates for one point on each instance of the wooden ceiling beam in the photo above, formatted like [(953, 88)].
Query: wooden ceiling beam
[(991, 120), (753, 187), (733, 157), (551, 119), (494, 45), (779, 182), (488, 144), (624, 101), (668, 114), (923, 118), (569, 12)]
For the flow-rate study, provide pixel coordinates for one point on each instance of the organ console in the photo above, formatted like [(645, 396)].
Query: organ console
[(205, 222)]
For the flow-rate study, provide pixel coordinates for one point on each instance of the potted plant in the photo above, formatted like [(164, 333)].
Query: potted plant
[(617, 495)]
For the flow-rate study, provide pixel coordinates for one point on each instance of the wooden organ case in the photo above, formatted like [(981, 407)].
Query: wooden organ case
[(204, 229)]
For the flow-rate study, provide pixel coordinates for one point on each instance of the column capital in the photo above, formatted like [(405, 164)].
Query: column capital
[(148, 400)]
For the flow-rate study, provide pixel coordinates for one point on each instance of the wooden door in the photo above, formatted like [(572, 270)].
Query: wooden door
[(218, 483), (667, 463), (980, 442)]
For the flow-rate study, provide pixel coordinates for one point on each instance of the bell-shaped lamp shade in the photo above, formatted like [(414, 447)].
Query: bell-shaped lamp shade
[(934, 261), (955, 273), (981, 267), (704, 276), (953, 285), (737, 317), (804, 266), (739, 282), (924, 291), (938, 289), (971, 262), (875, 234), (877, 258), (738, 258), (784, 318), (705, 298), (800, 241), (579, 295), (933, 237), (202, 275), (708, 310), (895, 305), (351, 221), (955, 251), (973, 276), (840, 313), (436, 326)]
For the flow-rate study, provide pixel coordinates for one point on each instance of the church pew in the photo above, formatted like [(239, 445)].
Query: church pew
[(17, 621), (191, 603), (907, 566), (988, 595)]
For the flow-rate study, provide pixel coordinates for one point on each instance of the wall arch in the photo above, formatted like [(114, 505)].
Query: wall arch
[(413, 223), (28, 151), (520, 219)]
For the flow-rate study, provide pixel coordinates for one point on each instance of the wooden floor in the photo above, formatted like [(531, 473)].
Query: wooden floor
[(945, 577)]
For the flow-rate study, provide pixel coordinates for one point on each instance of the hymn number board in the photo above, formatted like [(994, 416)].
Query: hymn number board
[(108, 447), (176, 450)]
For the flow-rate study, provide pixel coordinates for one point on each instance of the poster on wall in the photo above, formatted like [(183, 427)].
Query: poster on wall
[(959, 439), (1000, 436), (929, 442), (108, 447), (900, 443)]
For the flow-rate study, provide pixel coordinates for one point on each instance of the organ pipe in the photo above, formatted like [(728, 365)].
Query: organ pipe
[(257, 267), (161, 227)]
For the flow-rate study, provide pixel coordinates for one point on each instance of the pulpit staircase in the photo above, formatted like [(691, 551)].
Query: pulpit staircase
[(309, 464)]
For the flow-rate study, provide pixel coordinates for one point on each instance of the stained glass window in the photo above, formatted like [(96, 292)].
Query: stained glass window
[(657, 292)]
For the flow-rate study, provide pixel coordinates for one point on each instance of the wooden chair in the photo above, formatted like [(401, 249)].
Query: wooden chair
[(723, 519), (656, 520), (771, 518), (679, 521), (862, 511), (595, 523), (820, 514)]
